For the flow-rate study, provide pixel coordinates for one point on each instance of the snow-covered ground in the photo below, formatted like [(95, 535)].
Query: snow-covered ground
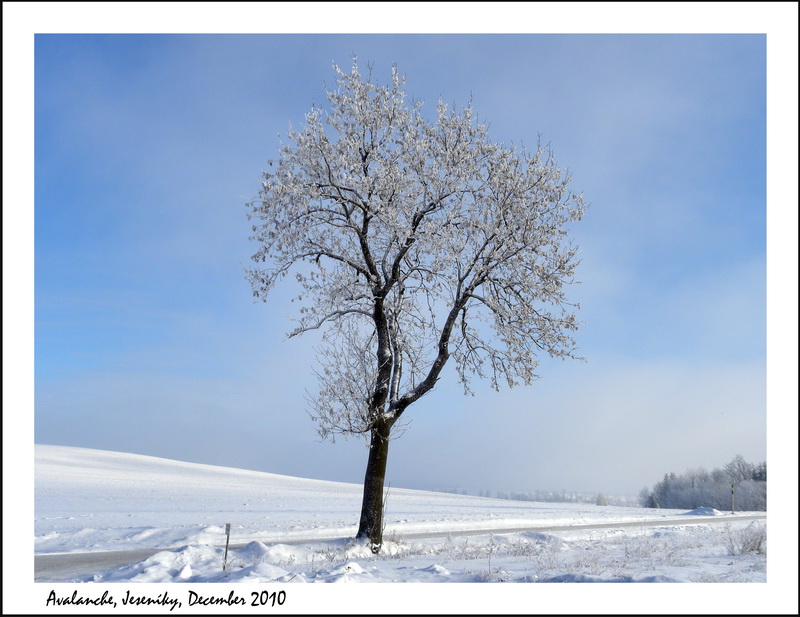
[(293, 530), (300, 530), (91, 500)]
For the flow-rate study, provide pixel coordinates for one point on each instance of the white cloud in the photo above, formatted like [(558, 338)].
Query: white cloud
[(610, 425)]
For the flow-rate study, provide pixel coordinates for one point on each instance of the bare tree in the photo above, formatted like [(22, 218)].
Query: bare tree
[(739, 470), (413, 242)]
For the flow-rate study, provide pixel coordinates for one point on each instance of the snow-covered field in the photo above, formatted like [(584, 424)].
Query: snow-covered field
[(293, 530)]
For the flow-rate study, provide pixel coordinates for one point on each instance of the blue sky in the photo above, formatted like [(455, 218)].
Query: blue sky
[(147, 339)]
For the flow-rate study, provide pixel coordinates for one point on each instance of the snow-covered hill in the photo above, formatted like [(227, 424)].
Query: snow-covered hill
[(301, 530)]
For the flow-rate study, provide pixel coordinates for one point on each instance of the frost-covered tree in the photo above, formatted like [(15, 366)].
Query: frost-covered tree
[(414, 243), (739, 470), (697, 488)]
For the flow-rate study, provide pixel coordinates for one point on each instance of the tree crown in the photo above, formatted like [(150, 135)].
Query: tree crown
[(413, 242)]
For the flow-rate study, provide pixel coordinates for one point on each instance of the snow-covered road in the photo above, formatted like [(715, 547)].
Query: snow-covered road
[(60, 566)]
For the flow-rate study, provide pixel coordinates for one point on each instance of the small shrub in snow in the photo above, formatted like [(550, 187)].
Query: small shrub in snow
[(587, 559), (497, 575), (396, 545), (751, 539)]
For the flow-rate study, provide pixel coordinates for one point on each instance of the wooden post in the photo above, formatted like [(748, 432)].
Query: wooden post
[(227, 541)]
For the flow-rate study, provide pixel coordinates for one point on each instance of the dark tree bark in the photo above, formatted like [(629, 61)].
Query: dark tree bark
[(371, 523)]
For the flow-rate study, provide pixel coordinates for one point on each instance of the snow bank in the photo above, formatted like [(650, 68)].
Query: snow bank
[(704, 512)]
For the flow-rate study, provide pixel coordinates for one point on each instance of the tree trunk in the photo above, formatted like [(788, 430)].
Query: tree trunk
[(371, 524)]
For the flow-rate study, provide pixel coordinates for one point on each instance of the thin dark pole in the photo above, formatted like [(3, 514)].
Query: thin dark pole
[(227, 541)]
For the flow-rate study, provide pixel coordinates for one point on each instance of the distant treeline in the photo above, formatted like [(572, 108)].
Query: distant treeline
[(555, 497), (696, 488)]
